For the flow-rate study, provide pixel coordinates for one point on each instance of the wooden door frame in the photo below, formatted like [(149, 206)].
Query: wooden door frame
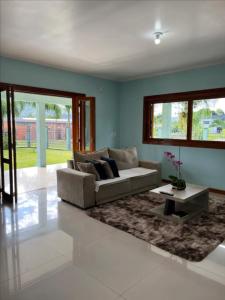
[(51, 92), (40, 90), (79, 128), (75, 109)]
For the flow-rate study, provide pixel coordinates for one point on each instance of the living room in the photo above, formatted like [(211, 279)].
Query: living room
[(138, 210)]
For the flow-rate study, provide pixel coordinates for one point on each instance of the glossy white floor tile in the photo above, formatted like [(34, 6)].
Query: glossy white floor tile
[(118, 261), (213, 266), (52, 250), (174, 282), (26, 256), (23, 281), (69, 284), (30, 179)]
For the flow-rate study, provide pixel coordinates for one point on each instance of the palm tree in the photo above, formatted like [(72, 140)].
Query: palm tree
[(18, 108), (68, 109), (50, 108), (68, 134), (53, 108)]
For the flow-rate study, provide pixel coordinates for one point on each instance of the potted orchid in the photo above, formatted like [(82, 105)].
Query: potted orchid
[(176, 181)]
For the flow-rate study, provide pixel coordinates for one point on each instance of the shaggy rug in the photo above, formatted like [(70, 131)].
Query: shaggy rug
[(192, 240)]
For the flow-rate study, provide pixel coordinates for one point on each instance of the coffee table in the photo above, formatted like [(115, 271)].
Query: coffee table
[(182, 205)]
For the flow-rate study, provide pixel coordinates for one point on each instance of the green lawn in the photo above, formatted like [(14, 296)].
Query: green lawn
[(27, 157)]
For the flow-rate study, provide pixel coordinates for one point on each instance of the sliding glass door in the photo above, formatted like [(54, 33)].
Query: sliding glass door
[(78, 116), (8, 180)]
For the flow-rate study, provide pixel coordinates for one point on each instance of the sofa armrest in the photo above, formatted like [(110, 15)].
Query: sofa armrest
[(153, 165), (150, 164), (76, 187)]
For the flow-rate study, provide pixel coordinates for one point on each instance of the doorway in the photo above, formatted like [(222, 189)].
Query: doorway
[(43, 129), (49, 125)]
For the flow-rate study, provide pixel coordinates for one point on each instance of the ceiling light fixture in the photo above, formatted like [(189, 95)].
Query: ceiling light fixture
[(158, 36)]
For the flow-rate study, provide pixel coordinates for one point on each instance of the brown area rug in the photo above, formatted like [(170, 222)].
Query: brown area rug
[(193, 240)]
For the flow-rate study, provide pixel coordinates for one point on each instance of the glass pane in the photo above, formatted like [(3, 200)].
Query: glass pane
[(58, 125), (170, 120), (50, 118), (208, 123), (5, 125), (6, 175), (25, 122)]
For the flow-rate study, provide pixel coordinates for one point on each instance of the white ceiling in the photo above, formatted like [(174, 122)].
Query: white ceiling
[(114, 39)]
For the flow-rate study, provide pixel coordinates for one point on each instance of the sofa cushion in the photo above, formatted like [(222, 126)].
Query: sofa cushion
[(88, 168), (125, 158), (103, 168), (140, 178), (125, 175), (111, 189), (82, 157), (112, 165), (136, 172), (103, 183), (107, 169), (99, 168)]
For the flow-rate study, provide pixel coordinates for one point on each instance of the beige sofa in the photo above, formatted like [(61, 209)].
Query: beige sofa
[(82, 190)]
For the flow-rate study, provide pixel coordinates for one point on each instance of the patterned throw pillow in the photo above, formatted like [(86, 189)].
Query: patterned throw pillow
[(82, 157), (88, 168)]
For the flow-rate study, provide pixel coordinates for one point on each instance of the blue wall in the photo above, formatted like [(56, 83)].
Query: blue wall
[(201, 166), (105, 91), (119, 110)]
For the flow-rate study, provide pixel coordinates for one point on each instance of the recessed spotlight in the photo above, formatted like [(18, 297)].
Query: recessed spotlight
[(158, 36)]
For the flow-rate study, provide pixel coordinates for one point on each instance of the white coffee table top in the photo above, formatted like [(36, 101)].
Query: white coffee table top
[(190, 192)]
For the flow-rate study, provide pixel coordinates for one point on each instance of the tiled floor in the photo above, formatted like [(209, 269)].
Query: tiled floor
[(30, 179), (52, 250)]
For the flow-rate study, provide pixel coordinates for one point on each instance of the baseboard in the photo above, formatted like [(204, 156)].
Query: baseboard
[(166, 180), (212, 190), (217, 191)]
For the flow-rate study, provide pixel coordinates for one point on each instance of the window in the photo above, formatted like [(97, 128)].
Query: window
[(195, 119), (209, 120), (170, 120)]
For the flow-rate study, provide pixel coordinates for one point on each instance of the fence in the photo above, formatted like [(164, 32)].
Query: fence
[(58, 135), (58, 138), (26, 135)]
